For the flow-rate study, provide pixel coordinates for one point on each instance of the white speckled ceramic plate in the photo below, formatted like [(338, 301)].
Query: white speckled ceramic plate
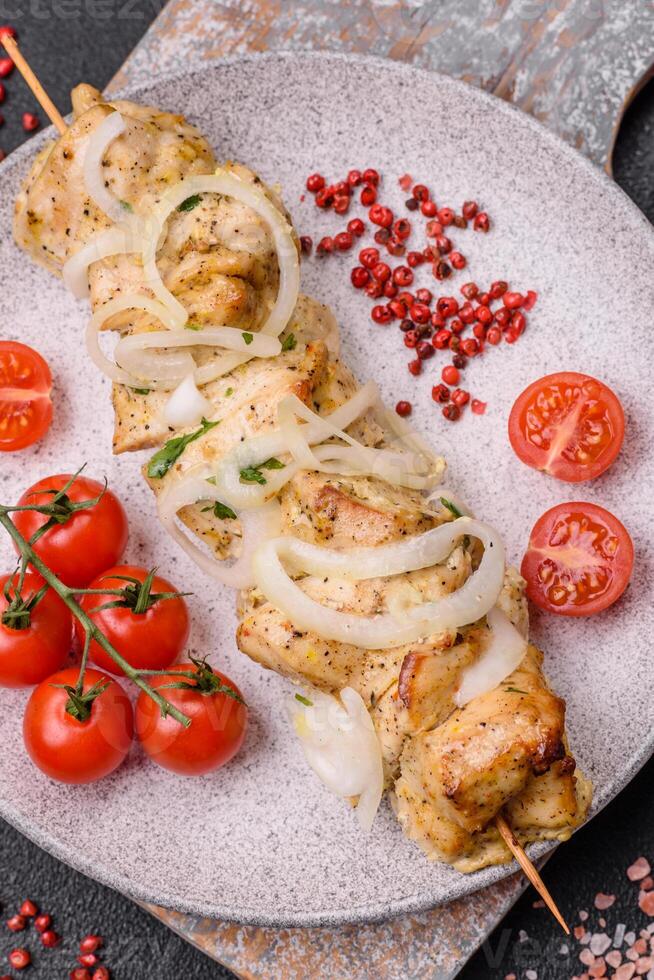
[(261, 841)]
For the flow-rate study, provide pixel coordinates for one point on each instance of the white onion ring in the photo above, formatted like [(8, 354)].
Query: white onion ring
[(341, 746), (129, 301), (109, 129), (131, 352), (384, 630), (229, 185), (255, 451), (503, 654), (256, 526), (112, 241)]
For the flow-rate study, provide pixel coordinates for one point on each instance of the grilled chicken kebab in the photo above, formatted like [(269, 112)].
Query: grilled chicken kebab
[(394, 613)]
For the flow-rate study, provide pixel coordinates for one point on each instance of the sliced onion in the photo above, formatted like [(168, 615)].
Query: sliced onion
[(446, 494), (117, 240), (130, 301), (256, 526), (134, 354), (399, 469), (503, 654), (229, 185), (253, 452), (383, 630), (340, 744), (109, 129), (186, 407)]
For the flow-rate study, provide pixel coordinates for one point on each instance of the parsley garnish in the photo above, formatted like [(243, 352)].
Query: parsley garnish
[(228, 392), (247, 337), (514, 690), (164, 458), (301, 698), (450, 506), (193, 326), (141, 391), (189, 203), (289, 343), (253, 474), (126, 206), (221, 511)]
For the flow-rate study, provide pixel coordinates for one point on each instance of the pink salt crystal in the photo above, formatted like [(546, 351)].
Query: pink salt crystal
[(602, 923), (603, 901), (639, 869), (614, 958), (598, 969), (540, 904), (531, 975), (643, 964), (586, 957), (646, 902), (625, 972), (510, 976), (647, 884), (578, 932), (583, 915), (640, 946), (599, 943)]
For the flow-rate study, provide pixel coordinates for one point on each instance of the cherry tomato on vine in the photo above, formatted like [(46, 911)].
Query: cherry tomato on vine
[(78, 739), (149, 628), (218, 721), (25, 386), (35, 631), (568, 425), (84, 541), (578, 561)]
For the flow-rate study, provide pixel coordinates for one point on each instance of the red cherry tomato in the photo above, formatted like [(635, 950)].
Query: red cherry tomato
[(85, 544), (25, 406), (70, 750), (579, 560), (38, 642), (216, 733), (568, 425), (148, 640)]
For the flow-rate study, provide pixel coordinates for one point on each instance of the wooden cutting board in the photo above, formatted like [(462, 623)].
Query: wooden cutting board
[(575, 65)]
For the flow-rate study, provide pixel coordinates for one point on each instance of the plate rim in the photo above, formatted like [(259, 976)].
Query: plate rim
[(414, 903)]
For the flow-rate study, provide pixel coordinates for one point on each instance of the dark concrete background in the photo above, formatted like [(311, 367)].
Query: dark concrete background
[(68, 42)]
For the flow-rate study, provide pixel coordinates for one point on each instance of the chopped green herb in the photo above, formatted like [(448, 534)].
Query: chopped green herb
[(211, 479), (252, 475), (301, 698), (141, 391), (247, 337), (289, 343), (450, 506), (193, 326), (126, 206), (189, 203), (164, 458), (228, 392), (514, 690), (221, 511)]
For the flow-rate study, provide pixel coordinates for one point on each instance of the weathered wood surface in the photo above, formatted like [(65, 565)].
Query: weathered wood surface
[(431, 946), (575, 65)]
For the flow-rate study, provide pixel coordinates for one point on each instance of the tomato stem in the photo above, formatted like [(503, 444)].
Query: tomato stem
[(92, 632)]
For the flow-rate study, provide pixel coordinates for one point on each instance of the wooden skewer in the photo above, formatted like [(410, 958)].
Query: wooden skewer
[(57, 119), (529, 870), (39, 92)]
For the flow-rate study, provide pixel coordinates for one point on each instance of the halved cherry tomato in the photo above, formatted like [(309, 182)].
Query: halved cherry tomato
[(89, 541), (36, 642), (579, 560), (70, 750), (568, 425), (218, 722), (151, 639), (25, 406)]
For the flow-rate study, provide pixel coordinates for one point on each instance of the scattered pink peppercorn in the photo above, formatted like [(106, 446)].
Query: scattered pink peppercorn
[(451, 412), (440, 393), (343, 241), (28, 908), (42, 923), (88, 959), (80, 973), (3, 93), (306, 244), (354, 178), (16, 923), (102, 973), (30, 122), (19, 958), (368, 195), (478, 407), (481, 222), (450, 374), (356, 227), (315, 183), (50, 938), (403, 408), (90, 943)]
